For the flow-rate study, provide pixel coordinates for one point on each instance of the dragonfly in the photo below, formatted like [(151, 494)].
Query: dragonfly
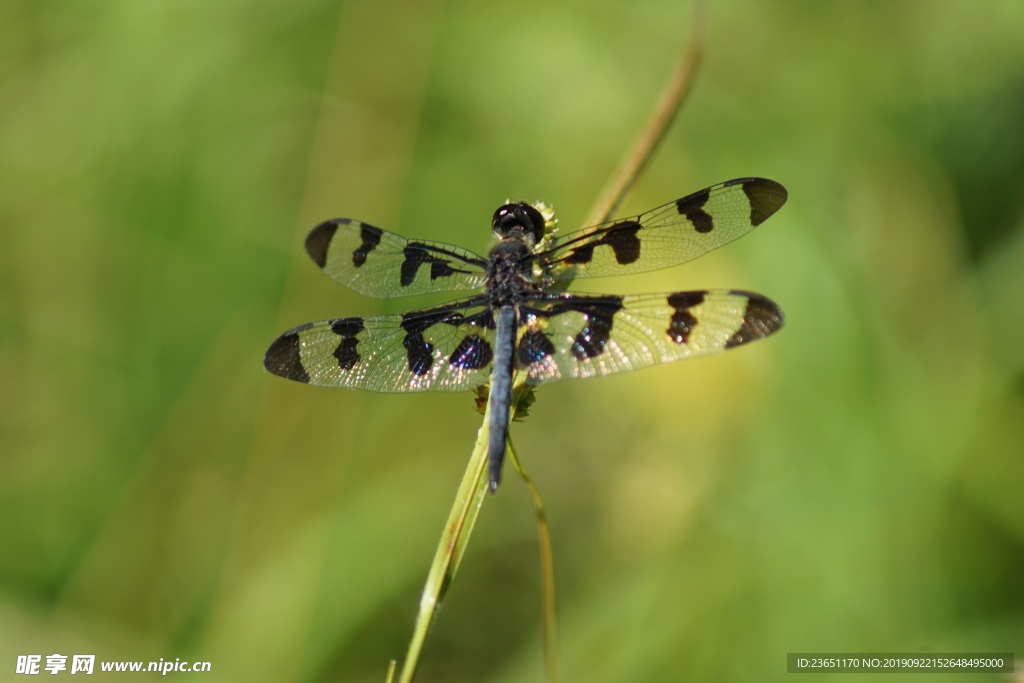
[(519, 327)]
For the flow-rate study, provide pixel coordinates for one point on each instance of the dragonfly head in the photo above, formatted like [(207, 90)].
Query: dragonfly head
[(519, 220)]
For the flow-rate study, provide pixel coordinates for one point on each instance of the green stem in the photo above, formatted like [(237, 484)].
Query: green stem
[(549, 620), (451, 548)]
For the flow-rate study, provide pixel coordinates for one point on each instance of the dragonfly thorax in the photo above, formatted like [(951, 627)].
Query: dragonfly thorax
[(508, 271)]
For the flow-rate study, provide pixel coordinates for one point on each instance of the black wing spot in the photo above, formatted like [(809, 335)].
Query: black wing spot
[(440, 268), (593, 338), (347, 352), (318, 242), (621, 237), (371, 238), (420, 353), (472, 353), (761, 318), (692, 207), (347, 327), (284, 359), (534, 347), (581, 254), (765, 196), (682, 321), (417, 254)]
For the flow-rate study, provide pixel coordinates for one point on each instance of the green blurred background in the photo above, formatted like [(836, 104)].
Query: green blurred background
[(852, 484)]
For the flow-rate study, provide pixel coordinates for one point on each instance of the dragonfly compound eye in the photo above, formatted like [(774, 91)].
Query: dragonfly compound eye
[(519, 216)]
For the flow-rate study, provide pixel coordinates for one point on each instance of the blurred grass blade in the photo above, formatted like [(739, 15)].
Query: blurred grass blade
[(549, 618), (450, 550)]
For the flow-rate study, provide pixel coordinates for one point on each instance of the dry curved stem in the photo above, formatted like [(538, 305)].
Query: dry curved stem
[(671, 102)]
